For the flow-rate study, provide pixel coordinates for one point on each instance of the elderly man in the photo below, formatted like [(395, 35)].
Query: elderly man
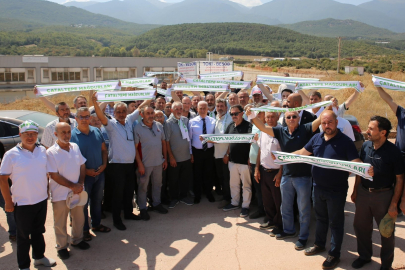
[(63, 112), (238, 157), (194, 103), (210, 99), (330, 186), (67, 170), (168, 109), (257, 95), (92, 146), (180, 169), (187, 112), (151, 136), (295, 101), (296, 177), (243, 98), (25, 165), (374, 199), (268, 175), (220, 150), (121, 156), (233, 99), (203, 152)]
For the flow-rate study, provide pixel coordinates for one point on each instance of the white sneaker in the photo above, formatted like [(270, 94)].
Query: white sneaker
[(45, 262)]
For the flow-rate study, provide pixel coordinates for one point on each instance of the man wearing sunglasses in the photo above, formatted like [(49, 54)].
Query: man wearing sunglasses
[(296, 178), (295, 101), (92, 146), (121, 156), (237, 157)]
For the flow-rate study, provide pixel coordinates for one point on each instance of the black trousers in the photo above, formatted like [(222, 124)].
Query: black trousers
[(123, 189), (203, 170), (222, 171), (30, 221), (179, 178), (256, 189), (271, 197), (369, 206)]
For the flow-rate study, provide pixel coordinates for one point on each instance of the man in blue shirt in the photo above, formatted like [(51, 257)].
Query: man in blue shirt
[(330, 186)]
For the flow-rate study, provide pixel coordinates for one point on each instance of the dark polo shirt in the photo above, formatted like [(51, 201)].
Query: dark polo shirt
[(239, 152), (387, 162), (339, 147)]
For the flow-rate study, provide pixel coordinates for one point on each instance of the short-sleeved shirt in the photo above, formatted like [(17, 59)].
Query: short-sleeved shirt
[(151, 142), (27, 171), (239, 152), (400, 140), (67, 164), (340, 147), (48, 137), (90, 146), (122, 145), (254, 147), (181, 148), (293, 142), (267, 145), (220, 126), (387, 163)]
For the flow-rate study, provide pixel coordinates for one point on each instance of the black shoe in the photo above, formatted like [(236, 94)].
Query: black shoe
[(210, 198), (283, 235), (173, 204), (257, 214), (314, 250), (275, 231), (385, 268), (359, 263), (132, 217), (160, 209), (330, 262), (300, 244), (266, 220), (120, 226), (63, 254), (266, 226), (144, 215), (82, 245), (197, 200), (166, 202)]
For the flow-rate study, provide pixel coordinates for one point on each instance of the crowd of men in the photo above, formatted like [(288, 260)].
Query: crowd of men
[(111, 154)]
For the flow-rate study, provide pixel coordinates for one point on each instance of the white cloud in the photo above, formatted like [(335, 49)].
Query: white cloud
[(248, 3)]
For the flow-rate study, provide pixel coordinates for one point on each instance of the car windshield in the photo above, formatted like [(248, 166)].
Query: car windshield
[(42, 119)]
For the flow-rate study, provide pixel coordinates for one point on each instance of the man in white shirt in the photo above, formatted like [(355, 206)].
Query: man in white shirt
[(25, 165), (67, 170), (220, 149), (63, 112), (203, 153)]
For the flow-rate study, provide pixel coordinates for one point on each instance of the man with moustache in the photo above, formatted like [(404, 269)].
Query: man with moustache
[(63, 112), (210, 99), (187, 112), (151, 136), (233, 99), (330, 186)]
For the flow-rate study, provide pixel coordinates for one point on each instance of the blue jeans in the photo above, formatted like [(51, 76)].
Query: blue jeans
[(330, 212), (12, 229), (302, 186), (94, 186)]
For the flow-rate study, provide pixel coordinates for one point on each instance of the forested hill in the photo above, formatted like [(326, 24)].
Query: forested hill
[(248, 39)]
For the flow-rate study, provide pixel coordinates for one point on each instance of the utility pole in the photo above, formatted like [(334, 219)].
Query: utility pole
[(338, 63)]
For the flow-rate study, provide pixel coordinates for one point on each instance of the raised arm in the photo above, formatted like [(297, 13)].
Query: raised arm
[(388, 99), (316, 123), (352, 99), (259, 124), (305, 98), (45, 101), (265, 91), (99, 112)]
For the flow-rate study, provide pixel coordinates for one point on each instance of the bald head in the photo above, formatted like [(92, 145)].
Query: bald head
[(63, 133), (328, 113), (275, 103), (329, 122), (294, 100), (60, 126)]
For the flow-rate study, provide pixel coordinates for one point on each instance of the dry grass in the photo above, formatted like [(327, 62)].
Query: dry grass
[(368, 104)]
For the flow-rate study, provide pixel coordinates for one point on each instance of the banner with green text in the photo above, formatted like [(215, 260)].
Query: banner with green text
[(358, 168), (266, 79), (282, 110), (332, 85), (125, 95), (135, 82), (221, 75), (201, 87), (53, 89), (232, 84), (228, 138), (388, 83)]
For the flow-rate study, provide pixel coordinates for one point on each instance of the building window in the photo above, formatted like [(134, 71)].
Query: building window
[(46, 73), (133, 72), (85, 73), (12, 76), (65, 76), (30, 74), (98, 72), (115, 75), (21, 77)]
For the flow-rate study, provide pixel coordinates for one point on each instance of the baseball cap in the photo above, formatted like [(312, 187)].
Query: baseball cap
[(73, 200), (28, 125), (256, 91), (387, 225)]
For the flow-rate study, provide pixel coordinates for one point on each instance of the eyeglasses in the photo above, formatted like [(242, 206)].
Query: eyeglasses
[(87, 117), (293, 117), (128, 139), (234, 114)]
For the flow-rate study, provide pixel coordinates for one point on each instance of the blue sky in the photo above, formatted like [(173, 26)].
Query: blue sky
[(244, 2)]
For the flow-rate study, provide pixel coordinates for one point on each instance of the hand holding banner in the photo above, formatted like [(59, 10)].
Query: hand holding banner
[(125, 95), (358, 168), (388, 83), (333, 85), (53, 89)]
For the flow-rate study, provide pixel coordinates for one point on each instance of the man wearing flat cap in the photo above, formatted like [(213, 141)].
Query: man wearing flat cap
[(25, 165)]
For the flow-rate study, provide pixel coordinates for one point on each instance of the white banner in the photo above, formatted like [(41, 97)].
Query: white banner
[(125, 95), (335, 85), (53, 89), (201, 87), (229, 74), (358, 168), (151, 74), (282, 110), (266, 79), (188, 69), (233, 84), (205, 67), (388, 83), (228, 138), (135, 82)]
